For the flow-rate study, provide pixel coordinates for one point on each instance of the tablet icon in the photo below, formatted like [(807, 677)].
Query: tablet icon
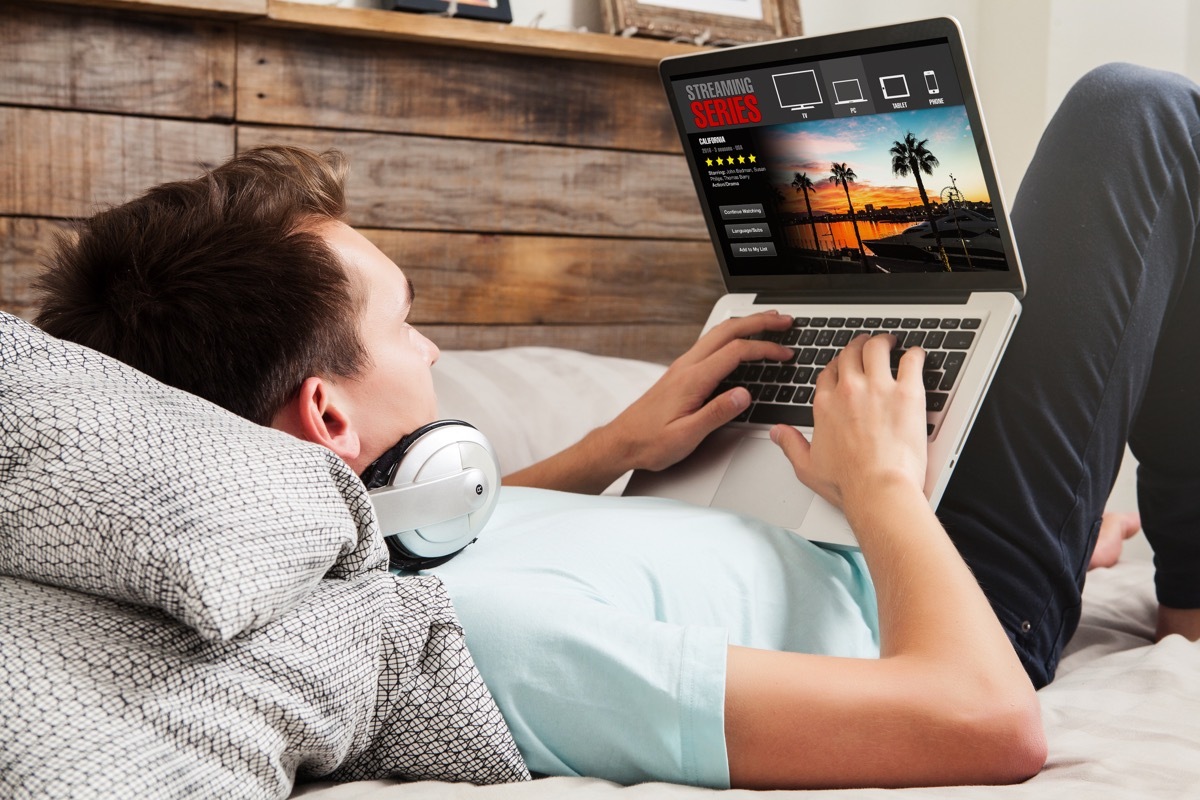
[(894, 87)]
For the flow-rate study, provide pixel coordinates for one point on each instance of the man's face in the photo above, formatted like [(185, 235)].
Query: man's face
[(394, 394)]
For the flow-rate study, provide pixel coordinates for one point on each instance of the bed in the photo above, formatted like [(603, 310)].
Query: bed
[(1123, 718)]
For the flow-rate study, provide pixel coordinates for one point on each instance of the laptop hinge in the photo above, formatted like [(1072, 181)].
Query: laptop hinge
[(859, 298)]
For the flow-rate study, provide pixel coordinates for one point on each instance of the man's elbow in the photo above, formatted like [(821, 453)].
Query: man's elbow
[(1006, 740)]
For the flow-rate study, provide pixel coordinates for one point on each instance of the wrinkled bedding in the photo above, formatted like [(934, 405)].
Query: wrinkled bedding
[(1123, 717), (90, 681)]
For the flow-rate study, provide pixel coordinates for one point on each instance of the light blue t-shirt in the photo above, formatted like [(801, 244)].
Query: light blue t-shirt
[(601, 625)]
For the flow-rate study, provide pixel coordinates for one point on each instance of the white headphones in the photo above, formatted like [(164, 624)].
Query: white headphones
[(433, 492)]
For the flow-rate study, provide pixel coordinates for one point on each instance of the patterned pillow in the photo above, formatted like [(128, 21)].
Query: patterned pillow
[(114, 484), (366, 678)]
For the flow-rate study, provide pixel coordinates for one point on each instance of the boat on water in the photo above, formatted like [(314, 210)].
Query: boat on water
[(969, 238)]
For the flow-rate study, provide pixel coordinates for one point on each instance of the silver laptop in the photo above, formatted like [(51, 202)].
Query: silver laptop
[(926, 254)]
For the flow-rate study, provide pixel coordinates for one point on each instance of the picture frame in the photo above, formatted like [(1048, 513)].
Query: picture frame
[(491, 10), (713, 22)]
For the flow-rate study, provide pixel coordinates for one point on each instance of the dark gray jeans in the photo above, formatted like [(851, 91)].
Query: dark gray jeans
[(1105, 353)]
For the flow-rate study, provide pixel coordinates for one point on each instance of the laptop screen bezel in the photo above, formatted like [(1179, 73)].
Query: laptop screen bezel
[(780, 52)]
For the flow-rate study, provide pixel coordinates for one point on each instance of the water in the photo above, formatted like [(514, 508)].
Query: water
[(836, 235)]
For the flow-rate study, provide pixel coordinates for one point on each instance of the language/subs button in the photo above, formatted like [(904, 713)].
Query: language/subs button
[(748, 230), (744, 211), (752, 249)]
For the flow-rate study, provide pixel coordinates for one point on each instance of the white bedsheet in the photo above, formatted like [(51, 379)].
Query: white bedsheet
[(1122, 718)]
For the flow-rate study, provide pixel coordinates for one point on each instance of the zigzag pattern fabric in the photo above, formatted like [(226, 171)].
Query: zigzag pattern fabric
[(198, 606)]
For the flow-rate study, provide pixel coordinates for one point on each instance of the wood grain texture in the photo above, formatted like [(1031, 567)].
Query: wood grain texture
[(537, 196), (208, 9), (25, 246), (66, 164), (548, 280), (658, 343), (473, 34), (426, 183), (313, 80), (106, 61)]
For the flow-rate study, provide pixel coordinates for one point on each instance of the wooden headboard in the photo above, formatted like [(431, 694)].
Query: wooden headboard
[(530, 182)]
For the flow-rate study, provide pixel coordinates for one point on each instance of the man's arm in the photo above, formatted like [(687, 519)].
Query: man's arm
[(670, 419), (948, 701)]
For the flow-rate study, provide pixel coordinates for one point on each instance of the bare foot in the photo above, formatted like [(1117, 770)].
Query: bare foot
[(1115, 528)]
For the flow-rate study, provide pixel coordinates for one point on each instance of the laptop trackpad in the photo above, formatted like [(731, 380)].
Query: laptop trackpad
[(760, 482)]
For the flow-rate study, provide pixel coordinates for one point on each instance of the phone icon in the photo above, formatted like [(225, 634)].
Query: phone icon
[(931, 82)]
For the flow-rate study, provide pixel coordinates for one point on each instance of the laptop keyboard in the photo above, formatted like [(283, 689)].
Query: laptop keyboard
[(782, 391)]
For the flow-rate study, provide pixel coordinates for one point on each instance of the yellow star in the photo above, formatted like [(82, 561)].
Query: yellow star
[(741, 159), (708, 161), (752, 159), (719, 162)]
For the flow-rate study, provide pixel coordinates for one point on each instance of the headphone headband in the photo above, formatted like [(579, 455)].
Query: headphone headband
[(433, 492)]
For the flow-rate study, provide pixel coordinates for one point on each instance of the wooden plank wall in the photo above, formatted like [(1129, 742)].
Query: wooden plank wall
[(533, 200)]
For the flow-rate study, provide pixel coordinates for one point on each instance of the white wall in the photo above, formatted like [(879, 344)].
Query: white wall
[(1026, 53)]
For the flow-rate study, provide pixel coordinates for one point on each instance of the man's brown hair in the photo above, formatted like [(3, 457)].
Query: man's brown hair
[(217, 285)]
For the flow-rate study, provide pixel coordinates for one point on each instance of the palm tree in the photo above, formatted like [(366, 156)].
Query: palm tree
[(777, 199), (911, 156), (843, 176), (802, 183)]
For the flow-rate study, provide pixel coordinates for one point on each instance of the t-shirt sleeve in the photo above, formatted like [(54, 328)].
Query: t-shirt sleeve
[(590, 689)]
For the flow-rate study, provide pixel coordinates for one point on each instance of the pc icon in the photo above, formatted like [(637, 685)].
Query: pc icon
[(848, 91)]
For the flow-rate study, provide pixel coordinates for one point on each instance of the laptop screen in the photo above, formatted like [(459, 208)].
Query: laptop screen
[(847, 166)]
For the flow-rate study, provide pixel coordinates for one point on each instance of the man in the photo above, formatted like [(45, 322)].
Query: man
[(245, 287)]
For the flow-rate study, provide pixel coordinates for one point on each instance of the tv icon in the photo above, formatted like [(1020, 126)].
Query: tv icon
[(797, 91), (895, 87)]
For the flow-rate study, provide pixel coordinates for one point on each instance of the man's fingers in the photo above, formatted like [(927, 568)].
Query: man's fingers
[(716, 412), (724, 361), (850, 360), (877, 353), (911, 364), (794, 446), (732, 329)]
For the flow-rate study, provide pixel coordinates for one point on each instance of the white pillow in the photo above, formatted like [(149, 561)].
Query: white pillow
[(531, 402)]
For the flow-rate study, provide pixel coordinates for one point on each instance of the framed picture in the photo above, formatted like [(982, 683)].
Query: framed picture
[(713, 22), (494, 10)]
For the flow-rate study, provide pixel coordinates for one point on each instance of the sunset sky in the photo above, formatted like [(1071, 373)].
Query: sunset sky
[(863, 144)]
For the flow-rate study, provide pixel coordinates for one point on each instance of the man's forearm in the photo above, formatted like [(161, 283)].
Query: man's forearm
[(586, 467), (947, 702)]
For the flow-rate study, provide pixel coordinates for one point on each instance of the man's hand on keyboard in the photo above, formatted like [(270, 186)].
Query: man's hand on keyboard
[(671, 418), (676, 414), (869, 428)]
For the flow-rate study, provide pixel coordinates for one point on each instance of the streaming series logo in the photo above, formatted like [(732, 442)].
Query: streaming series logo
[(716, 104)]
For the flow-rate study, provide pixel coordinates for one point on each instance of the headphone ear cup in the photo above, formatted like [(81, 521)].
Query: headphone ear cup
[(400, 558), (440, 493)]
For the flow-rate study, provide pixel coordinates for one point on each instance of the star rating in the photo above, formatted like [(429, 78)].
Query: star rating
[(731, 160)]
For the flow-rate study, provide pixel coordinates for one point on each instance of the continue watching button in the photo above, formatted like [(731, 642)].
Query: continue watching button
[(751, 249), (746, 211)]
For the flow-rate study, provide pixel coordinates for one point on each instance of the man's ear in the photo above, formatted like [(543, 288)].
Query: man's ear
[(316, 414)]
